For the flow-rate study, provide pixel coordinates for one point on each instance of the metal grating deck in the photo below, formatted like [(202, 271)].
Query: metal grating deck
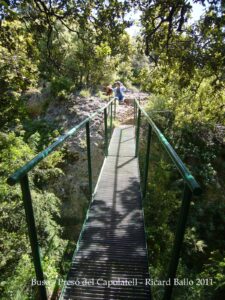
[(112, 245)]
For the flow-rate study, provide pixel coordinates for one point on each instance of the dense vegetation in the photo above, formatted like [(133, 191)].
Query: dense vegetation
[(49, 49)]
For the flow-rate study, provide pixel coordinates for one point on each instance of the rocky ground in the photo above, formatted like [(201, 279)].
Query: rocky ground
[(125, 113), (72, 112), (72, 187)]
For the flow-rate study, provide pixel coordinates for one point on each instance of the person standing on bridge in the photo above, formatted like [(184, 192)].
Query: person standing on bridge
[(119, 91)]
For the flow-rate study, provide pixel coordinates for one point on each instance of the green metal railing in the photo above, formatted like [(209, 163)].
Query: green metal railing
[(191, 187), (21, 175)]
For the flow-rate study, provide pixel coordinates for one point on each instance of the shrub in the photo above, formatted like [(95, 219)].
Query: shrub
[(60, 84), (85, 93)]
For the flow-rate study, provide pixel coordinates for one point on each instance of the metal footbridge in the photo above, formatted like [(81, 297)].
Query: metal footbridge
[(111, 260)]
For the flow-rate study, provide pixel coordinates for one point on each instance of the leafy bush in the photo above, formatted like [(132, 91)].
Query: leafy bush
[(16, 266), (85, 93), (18, 68), (203, 248), (61, 85)]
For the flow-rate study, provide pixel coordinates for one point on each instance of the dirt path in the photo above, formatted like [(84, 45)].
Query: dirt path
[(125, 113)]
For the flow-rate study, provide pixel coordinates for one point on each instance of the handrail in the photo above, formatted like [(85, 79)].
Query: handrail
[(16, 176), (187, 176)]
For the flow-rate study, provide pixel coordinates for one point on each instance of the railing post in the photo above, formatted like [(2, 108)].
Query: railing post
[(106, 132), (187, 195), (138, 132), (27, 201), (135, 111), (111, 118), (147, 160), (89, 157), (114, 109)]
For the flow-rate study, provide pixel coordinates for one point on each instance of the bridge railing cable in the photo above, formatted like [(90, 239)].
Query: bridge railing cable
[(191, 187), (21, 175)]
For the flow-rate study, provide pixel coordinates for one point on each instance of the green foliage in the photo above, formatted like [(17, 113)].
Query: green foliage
[(203, 248), (17, 69), (59, 49), (204, 235), (16, 268), (189, 95), (161, 207), (13, 238), (44, 57), (59, 85), (19, 278), (39, 133), (85, 93)]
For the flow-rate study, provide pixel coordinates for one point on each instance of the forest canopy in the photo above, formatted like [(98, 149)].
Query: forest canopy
[(50, 50)]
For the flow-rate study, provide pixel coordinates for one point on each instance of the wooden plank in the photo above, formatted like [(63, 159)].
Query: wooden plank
[(113, 245)]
